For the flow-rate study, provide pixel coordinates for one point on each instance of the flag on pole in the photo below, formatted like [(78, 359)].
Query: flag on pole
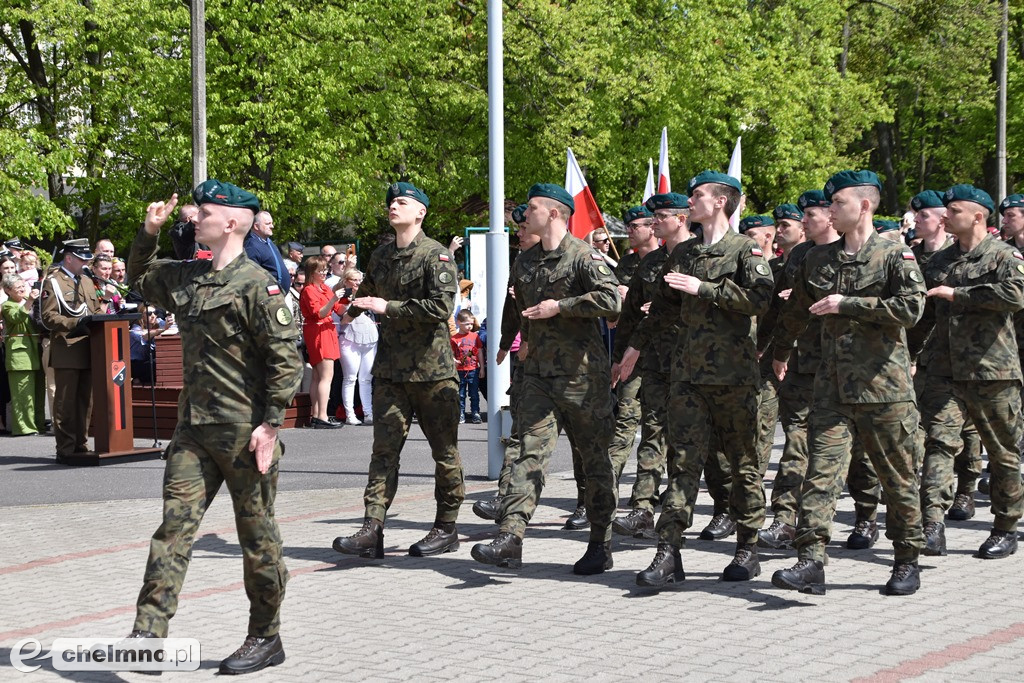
[(664, 182), (587, 216), (649, 188), (735, 168)]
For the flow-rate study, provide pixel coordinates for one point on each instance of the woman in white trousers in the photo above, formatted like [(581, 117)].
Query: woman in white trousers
[(358, 341)]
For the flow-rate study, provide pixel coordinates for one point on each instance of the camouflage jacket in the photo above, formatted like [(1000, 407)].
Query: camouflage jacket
[(63, 303), (576, 276), (918, 334), (972, 336), (627, 267), (241, 363), (1018, 318), (808, 342), (657, 341), (419, 283), (716, 343), (510, 321), (864, 346)]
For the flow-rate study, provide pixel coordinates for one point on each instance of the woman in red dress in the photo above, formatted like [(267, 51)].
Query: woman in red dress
[(316, 303)]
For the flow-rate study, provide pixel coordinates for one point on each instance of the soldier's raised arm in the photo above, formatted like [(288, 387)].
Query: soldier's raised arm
[(154, 279)]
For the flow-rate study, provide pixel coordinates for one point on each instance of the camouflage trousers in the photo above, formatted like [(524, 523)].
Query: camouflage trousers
[(718, 478), (627, 419), (515, 392), (767, 416), (968, 464), (650, 454), (886, 432), (199, 459), (436, 406), (582, 405), (699, 414), (994, 408), (795, 396)]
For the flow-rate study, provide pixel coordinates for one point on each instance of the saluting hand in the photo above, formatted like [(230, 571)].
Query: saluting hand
[(157, 214), (684, 283), (828, 305)]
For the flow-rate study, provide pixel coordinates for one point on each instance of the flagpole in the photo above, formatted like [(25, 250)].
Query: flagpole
[(497, 239)]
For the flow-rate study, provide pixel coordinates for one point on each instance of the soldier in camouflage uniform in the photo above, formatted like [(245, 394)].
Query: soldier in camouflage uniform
[(929, 213), (233, 316), (410, 284), (719, 284), (639, 223), (977, 285), (1012, 211), (562, 287), (866, 291), (653, 349)]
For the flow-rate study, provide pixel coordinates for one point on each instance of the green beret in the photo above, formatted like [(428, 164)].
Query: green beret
[(552, 191), (406, 190), (968, 193), (813, 198), (669, 200), (885, 226), (1012, 201), (709, 176), (224, 194), (636, 213), (845, 179), (929, 199), (519, 214), (755, 222), (790, 211)]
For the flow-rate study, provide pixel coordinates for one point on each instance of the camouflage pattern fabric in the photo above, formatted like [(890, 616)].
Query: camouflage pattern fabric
[(627, 419), (627, 267), (795, 396)]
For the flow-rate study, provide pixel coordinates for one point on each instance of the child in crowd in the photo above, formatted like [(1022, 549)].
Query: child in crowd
[(469, 361), (21, 342)]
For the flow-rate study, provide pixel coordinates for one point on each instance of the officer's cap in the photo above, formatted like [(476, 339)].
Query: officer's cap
[(552, 191), (78, 248), (790, 211), (406, 190), (710, 176), (13, 243), (929, 199), (845, 179), (295, 246), (968, 193), (225, 194)]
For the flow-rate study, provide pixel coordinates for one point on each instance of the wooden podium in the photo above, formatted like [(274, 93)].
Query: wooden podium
[(111, 424)]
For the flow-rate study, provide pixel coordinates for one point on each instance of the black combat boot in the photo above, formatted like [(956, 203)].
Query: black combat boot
[(443, 538), (744, 565), (998, 545), (934, 539), (635, 524), (367, 542), (597, 559), (905, 579), (578, 520), (778, 535), (504, 551), (488, 509), (863, 536), (983, 482), (255, 653), (963, 507), (806, 576), (666, 568), (721, 525)]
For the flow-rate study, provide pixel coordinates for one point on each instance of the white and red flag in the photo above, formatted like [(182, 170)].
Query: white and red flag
[(649, 190), (735, 171), (587, 216), (664, 182)]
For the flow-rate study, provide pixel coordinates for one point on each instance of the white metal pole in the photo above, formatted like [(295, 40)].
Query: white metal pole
[(198, 35), (497, 239)]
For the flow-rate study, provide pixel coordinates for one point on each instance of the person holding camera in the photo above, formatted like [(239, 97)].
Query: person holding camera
[(68, 302), (316, 303), (358, 342)]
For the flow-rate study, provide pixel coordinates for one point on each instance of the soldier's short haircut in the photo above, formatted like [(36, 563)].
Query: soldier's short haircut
[(731, 194), (563, 210), (870, 193)]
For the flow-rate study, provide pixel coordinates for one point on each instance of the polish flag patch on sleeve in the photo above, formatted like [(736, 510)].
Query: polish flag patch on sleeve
[(596, 257), (443, 257), (908, 256), (756, 251), (1017, 255), (273, 289)]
